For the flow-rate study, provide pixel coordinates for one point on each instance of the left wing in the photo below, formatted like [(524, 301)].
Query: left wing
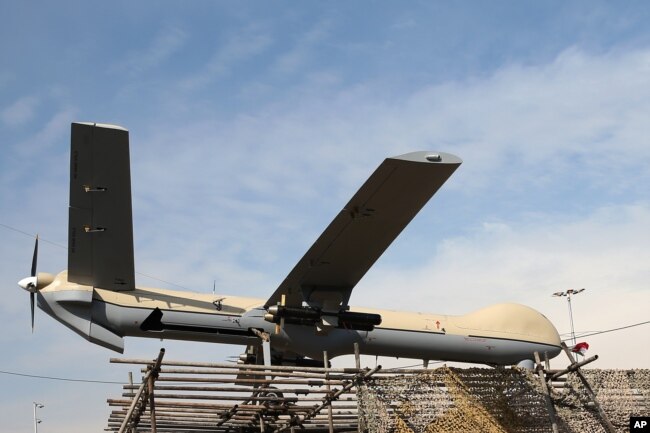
[(361, 232)]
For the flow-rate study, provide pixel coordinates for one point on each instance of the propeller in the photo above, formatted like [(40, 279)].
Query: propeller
[(280, 326), (32, 295), (32, 283)]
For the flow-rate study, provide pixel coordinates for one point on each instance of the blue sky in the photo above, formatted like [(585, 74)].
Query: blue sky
[(252, 123)]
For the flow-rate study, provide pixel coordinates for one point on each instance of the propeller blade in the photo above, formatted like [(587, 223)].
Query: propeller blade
[(33, 274), (280, 326), (32, 295), (31, 301)]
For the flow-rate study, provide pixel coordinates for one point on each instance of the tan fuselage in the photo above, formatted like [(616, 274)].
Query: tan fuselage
[(499, 334)]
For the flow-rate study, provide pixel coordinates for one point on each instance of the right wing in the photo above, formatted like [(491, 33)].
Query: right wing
[(361, 232), (100, 231)]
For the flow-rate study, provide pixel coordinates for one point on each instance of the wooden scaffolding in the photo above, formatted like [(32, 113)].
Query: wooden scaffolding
[(186, 397)]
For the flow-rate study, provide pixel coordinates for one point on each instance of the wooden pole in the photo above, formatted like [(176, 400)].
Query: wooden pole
[(573, 367), (132, 429), (138, 394), (129, 412), (547, 397), (152, 403), (262, 426), (327, 400), (235, 366), (357, 356), (327, 387), (603, 416), (547, 363), (357, 362)]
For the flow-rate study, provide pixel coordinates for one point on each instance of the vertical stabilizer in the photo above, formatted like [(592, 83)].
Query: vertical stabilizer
[(100, 231)]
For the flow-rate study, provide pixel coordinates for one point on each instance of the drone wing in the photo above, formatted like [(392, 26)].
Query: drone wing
[(361, 232), (100, 231)]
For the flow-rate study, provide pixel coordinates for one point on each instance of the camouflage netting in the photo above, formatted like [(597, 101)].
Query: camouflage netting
[(621, 394), (498, 400)]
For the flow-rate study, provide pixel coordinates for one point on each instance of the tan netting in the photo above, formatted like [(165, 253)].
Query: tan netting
[(621, 394), (499, 400)]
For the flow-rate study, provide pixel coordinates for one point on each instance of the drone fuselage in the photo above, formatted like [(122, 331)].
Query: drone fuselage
[(501, 334)]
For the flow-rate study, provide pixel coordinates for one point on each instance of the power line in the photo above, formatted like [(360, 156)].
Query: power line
[(416, 365), (162, 281), (31, 235), (65, 248), (612, 330), (65, 379)]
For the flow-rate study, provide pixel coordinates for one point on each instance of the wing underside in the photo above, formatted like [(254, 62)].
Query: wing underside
[(364, 228)]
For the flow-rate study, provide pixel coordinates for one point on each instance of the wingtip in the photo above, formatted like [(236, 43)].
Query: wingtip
[(430, 157), (102, 125)]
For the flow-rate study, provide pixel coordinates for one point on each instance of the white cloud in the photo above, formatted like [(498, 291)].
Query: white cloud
[(55, 129), (540, 122), (232, 53), (258, 189), (164, 45), (525, 262), (20, 112), (305, 49), (517, 260)]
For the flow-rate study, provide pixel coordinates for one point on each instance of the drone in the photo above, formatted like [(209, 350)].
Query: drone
[(309, 311)]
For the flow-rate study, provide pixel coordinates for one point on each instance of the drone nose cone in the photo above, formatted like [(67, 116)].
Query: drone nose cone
[(28, 283)]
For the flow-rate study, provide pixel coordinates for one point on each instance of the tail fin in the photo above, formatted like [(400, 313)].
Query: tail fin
[(100, 231)]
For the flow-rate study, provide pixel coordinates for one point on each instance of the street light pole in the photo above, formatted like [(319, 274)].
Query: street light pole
[(573, 332), (36, 420), (568, 294)]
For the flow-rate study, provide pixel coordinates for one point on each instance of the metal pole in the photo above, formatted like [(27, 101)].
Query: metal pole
[(568, 294), (573, 333), (36, 420)]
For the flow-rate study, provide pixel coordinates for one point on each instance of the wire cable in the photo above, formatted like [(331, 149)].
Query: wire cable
[(33, 236), (415, 365), (65, 379), (65, 248), (611, 330)]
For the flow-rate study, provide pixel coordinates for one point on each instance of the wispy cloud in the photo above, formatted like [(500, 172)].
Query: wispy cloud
[(527, 261), (236, 50), (163, 46), (539, 120), (56, 128), (265, 183), (514, 260), (306, 48), (20, 112)]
